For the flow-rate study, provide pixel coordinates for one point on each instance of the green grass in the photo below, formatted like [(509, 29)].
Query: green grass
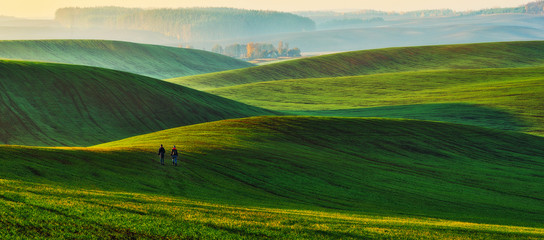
[(148, 60), (390, 60), (54, 212), (50, 104), (516, 91), (293, 177), (446, 112), (290, 177)]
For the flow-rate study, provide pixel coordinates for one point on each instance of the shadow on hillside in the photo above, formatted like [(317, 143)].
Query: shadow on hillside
[(461, 113)]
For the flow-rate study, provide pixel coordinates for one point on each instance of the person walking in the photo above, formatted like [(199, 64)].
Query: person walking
[(174, 155), (161, 153)]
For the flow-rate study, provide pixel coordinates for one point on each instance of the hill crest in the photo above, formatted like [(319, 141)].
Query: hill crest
[(143, 59), (52, 104), (388, 60), (357, 163)]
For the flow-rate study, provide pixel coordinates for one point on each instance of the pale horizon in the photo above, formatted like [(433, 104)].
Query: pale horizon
[(46, 9)]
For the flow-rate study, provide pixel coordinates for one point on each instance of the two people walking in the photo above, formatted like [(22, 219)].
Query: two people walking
[(173, 153)]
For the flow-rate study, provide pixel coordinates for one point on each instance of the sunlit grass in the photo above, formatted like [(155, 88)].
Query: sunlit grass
[(29, 210), (282, 155), (282, 177)]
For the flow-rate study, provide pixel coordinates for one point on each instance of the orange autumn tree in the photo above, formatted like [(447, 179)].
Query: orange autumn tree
[(251, 48)]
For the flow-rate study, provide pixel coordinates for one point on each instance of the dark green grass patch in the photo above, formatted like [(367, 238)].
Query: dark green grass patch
[(148, 60), (69, 105), (390, 60), (447, 112)]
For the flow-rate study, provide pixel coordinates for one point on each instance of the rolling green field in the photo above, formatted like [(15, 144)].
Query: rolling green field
[(50, 104), (67, 214), (360, 161), (514, 92), (462, 113), (148, 60), (332, 178), (389, 60)]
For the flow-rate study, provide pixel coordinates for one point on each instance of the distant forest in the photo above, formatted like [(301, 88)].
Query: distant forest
[(187, 24), (535, 7), (257, 50), (328, 19)]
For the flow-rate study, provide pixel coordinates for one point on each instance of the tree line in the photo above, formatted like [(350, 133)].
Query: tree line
[(187, 24), (327, 19), (257, 50)]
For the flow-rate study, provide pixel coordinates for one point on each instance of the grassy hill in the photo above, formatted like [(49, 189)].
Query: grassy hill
[(513, 91), (291, 177), (148, 60), (462, 113), (389, 60), (57, 105)]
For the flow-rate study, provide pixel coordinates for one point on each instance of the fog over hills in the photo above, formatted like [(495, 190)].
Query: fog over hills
[(415, 32), (321, 31), (148, 60)]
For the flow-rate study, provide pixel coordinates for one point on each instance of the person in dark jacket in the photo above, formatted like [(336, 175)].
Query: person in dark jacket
[(174, 155), (161, 153)]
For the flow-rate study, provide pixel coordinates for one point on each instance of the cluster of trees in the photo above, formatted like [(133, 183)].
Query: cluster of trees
[(257, 50), (529, 8), (187, 24), (535, 7)]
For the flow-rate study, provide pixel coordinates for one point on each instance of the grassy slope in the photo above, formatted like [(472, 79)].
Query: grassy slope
[(517, 91), (35, 211), (461, 113), (53, 104), (465, 56), (148, 60), (352, 165)]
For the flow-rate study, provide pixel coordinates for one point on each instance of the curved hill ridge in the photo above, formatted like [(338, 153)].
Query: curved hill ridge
[(514, 91), (410, 167), (148, 60), (389, 60), (51, 104)]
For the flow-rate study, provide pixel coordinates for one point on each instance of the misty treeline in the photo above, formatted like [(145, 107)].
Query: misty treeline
[(347, 22), (257, 50), (187, 24), (328, 19), (529, 8), (535, 7)]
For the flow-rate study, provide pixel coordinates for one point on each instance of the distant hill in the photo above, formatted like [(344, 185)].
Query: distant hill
[(58, 105), (389, 60), (149, 60), (417, 31), (321, 17), (187, 24)]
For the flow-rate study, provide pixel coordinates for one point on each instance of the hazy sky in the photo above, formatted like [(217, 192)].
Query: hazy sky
[(46, 8)]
